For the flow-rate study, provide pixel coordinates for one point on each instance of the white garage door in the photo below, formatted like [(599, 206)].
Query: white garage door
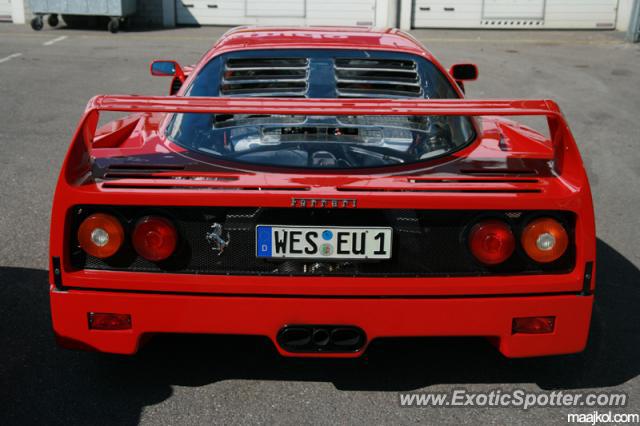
[(518, 9), (280, 9), (341, 12), (5, 10), (560, 14), (276, 12), (581, 13), (447, 13)]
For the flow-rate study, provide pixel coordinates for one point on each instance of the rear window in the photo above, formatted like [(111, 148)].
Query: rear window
[(321, 142)]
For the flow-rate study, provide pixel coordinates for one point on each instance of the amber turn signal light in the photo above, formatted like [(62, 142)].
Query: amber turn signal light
[(100, 235), (545, 240), (155, 238), (491, 241)]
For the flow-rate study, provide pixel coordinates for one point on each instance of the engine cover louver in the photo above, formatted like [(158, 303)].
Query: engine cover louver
[(377, 78), (284, 77)]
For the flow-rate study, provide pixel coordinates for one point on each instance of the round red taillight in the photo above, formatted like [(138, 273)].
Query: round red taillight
[(100, 235), (545, 240), (491, 241), (155, 238)]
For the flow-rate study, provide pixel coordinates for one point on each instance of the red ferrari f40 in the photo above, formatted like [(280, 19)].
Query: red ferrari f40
[(324, 187)]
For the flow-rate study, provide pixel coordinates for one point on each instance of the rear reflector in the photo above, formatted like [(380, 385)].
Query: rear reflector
[(533, 325), (106, 321)]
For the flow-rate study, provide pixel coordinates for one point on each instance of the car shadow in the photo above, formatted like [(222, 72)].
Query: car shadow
[(43, 382)]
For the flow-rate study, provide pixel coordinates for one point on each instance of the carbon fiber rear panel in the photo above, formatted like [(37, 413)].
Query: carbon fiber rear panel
[(425, 242)]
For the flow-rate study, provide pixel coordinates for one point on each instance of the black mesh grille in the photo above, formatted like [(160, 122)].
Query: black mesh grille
[(425, 243)]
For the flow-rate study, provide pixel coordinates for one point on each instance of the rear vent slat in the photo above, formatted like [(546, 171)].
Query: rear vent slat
[(130, 172), (266, 77), (472, 181), (146, 167), (485, 185), (394, 76), (267, 80), (447, 190), (191, 184), (377, 78), (395, 64), (378, 70), (246, 63), (498, 172), (382, 83), (140, 175)]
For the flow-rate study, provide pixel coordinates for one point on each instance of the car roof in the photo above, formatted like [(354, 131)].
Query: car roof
[(318, 37)]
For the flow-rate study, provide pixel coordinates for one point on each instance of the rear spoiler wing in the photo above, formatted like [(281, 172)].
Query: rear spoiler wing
[(561, 137)]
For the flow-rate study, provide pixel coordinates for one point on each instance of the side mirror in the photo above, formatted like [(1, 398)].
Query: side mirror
[(464, 72), (167, 69)]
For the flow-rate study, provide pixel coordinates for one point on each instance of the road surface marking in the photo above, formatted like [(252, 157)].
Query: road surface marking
[(10, 57), (55, 40)]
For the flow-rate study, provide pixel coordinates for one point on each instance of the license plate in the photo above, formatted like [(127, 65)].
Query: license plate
[(318, 242)]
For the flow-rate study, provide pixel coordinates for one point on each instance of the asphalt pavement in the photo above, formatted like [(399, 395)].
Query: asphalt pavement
[(46, 78)]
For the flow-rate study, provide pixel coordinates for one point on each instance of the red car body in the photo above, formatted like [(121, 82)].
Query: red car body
[(508, 168)]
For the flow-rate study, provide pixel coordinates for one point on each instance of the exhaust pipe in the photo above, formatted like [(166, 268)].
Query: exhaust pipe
[(321, 338), (346, 337), (296, 336)]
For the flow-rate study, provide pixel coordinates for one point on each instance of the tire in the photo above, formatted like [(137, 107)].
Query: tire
[(37, 23), (114, 25), (53, 20)]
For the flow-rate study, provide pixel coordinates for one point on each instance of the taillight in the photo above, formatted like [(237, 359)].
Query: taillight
[(100, 235), (491, 241), (155, 238), (545, 240)]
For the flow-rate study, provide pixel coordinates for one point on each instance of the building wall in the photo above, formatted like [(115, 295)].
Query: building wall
[(386, 13), (380, 13), (406, 14), (25, 16), (619, 16), (625, 8), (398, 13)]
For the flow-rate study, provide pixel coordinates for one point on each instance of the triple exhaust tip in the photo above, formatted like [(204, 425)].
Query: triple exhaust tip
[(321, 338)]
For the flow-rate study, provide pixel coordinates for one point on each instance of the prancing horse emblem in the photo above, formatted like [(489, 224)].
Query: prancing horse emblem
[(214, 237)]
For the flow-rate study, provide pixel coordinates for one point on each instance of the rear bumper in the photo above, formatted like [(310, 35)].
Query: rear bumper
[(488, 316)]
